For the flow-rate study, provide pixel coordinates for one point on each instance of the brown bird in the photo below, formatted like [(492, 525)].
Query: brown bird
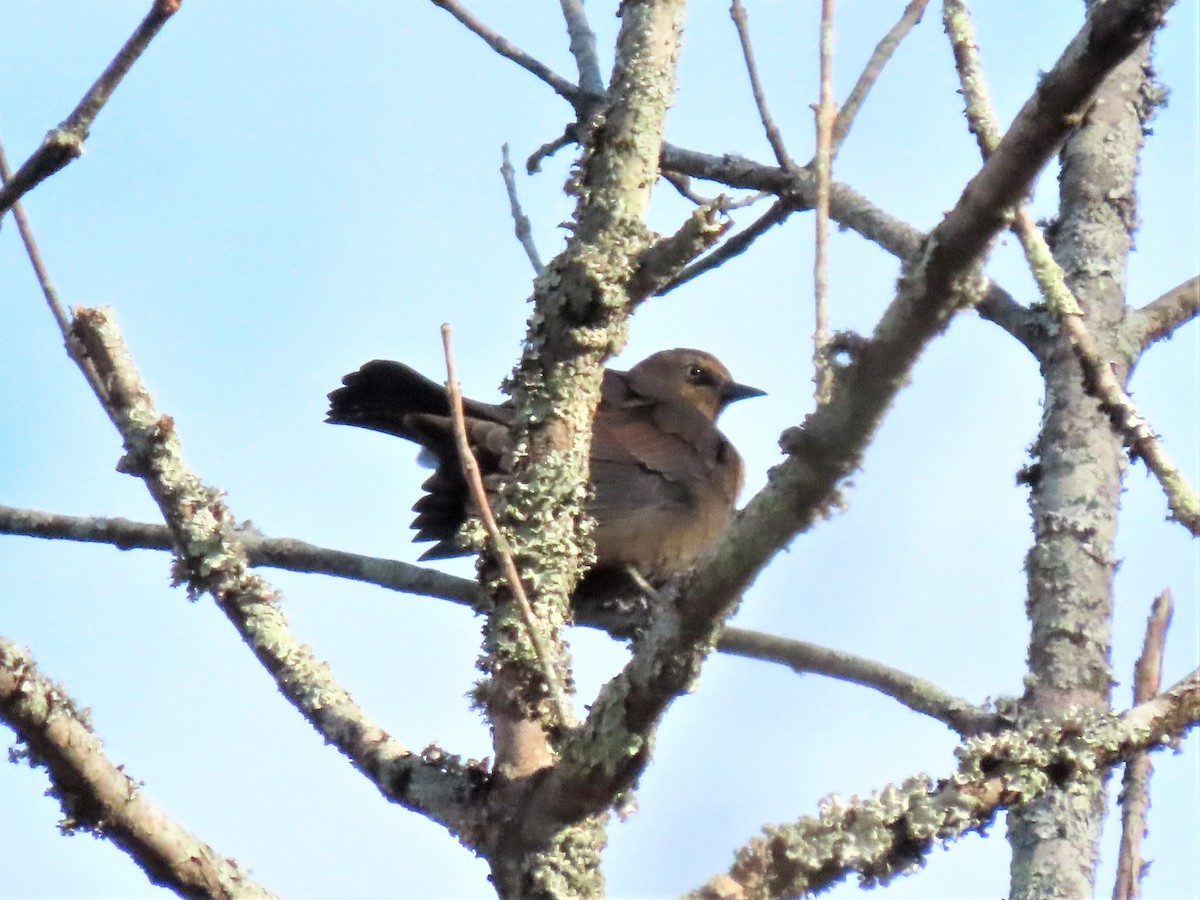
[(665, 479)]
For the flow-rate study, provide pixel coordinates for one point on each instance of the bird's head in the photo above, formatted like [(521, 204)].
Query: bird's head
[(697, 377)]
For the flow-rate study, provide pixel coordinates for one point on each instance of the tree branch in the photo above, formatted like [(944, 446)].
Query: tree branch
[(499, 544), (823, 162), (295, 555), (1135, 787), (850, 209), (1158, 319), (210, 559), (99, 797), (64, 143), (892, 832), (1102, 382), (736, 245), (509, 50), (738, 13), (916, 693), (938, 282), (874, 67), (520, 221), (583, 46)]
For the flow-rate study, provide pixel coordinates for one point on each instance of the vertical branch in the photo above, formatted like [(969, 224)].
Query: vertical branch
[(1135, 787), (470, 470), (825, 113), (774, 137), (583, 46), (520, 221), (581, 305), (1136, 431)]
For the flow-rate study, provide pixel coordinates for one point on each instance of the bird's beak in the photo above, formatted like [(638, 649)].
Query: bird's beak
[(733, 392)]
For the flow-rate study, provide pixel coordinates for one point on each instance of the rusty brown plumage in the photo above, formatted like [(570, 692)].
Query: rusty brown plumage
[(665, 478)]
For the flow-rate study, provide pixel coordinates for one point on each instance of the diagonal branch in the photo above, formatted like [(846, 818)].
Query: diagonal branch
[(870, 73), (916, 693), (99, 797), (509, 50), (210, 559), (1159, 318), (735, 246), (499, 544), (64, 143), (891, 832), (938, 282), (520, 221), (1102, 381)]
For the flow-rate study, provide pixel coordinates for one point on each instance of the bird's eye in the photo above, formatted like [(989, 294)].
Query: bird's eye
[(697, 375)]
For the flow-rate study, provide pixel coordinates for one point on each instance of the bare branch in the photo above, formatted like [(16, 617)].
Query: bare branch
[(1102, 382), (534, 162), (735, 246), (35, 255), (1135, 786), (509, 50), (822, 363), (500, 548), (916, 693), (663, 261), (738, 13), (583, 46), (849, 209), (870, 74), (99, 797), (289, 554), (64, 143), (937, 282), (1159, 318), (299, 556), (891, 832), (520, 220), (210, 559)]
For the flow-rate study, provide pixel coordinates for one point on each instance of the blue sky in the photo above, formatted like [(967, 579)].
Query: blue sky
[(279, 192)]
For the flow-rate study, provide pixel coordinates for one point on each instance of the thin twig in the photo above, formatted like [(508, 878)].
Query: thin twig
[(52, 299), (100, 797), (683, 184), (822, 363), (736, 245), (35, 256), (870, 73), (916, 693), (1102, 382), (583, 46), (509, 50), (64, 143), (1135, 786), (470, 470), (533, 164), (738, 13), (520, 221)]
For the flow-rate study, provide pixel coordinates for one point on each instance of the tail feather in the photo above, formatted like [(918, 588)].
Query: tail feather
[(395, 399)]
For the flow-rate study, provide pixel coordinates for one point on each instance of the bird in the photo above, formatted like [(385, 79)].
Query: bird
[(664, 479)]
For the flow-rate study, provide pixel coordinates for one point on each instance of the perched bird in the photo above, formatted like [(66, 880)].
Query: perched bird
[(664, 478)]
